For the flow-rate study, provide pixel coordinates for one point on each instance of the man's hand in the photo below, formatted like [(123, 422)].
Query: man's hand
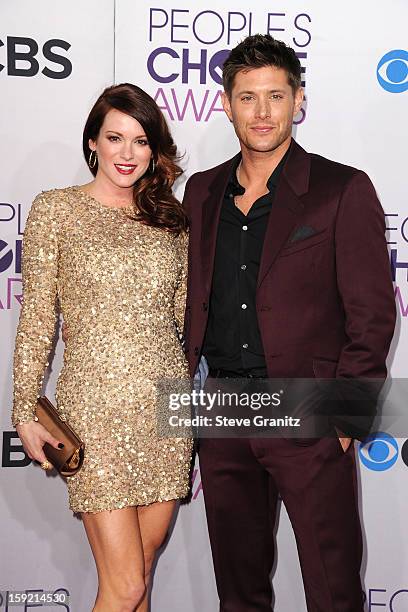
[(345, 442)]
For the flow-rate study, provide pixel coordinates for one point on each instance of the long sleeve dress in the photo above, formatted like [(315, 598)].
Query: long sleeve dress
[(120, 286)]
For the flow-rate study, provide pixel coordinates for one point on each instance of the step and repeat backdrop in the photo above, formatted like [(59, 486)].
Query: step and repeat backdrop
[(55, 59)]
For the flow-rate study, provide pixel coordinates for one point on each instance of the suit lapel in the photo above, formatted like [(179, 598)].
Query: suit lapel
[(211, 215), (284, 215), (286, 207), (282, 220)]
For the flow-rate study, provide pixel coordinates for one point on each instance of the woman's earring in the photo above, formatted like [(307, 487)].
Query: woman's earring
[(152, 166), (92, 160)]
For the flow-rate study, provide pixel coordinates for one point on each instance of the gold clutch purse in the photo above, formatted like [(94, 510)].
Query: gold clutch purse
[(69, 459)]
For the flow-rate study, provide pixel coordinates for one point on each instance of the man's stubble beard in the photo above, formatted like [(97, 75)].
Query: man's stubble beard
[(268, 147)]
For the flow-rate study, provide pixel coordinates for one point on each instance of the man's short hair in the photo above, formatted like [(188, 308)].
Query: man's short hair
[(258, 51)]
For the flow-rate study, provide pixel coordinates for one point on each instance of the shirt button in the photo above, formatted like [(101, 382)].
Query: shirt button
[(245, 346), (243, 267), (245, 227), (243, 306)]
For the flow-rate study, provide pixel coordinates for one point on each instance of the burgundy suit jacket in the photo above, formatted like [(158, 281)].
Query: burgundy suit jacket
[(324, 300)]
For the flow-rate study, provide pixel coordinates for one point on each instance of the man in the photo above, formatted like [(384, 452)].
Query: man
[(289, 277)]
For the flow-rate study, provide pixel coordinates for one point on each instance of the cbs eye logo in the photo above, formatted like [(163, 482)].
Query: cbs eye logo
[(392, 71), (379, 452)]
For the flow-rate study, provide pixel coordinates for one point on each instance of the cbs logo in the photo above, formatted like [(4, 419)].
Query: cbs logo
[(392, 71), (380, 451), (22, 57)]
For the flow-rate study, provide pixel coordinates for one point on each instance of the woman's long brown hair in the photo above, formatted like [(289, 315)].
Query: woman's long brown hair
[(154, 201)]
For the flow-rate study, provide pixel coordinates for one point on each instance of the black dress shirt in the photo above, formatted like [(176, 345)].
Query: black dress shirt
[(232, 340)]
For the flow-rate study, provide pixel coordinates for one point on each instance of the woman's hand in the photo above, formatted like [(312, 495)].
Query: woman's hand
[(33, 436)]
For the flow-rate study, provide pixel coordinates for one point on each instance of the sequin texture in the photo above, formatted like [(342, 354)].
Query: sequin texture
[(120, 286)]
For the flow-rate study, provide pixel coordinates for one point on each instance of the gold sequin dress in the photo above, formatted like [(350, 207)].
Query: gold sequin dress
[(120, 286)]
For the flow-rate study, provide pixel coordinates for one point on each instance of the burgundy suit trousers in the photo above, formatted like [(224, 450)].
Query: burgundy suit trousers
[(242, 480)]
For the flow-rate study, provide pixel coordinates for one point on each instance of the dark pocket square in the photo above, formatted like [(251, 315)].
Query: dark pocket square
[(302, 232)]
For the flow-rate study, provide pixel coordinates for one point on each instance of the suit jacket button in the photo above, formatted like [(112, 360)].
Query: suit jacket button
[(205, 306), (196, 350)]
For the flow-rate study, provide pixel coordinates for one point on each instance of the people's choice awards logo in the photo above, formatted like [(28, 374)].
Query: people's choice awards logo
[(379, 452), (392, 71), (397, 240), (186, 50), (10, 255)]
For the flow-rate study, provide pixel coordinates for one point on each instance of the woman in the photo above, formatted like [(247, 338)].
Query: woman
[(113, 254)]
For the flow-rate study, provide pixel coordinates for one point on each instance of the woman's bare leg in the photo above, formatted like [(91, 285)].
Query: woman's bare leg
[(116, 544), (154, 521)]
